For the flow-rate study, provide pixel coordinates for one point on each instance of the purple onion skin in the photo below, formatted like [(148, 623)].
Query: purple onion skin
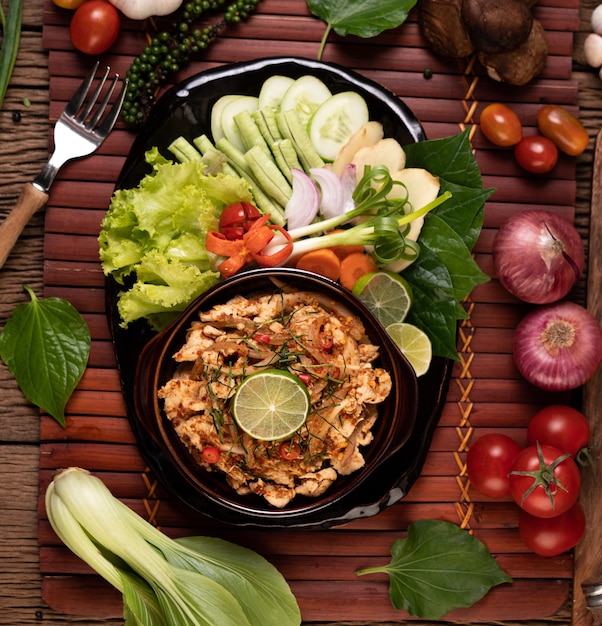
[(562, 365), (538, 256)]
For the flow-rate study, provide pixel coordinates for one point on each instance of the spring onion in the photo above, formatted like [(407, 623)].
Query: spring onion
[(11, 36), (180, 582), (384, 222)]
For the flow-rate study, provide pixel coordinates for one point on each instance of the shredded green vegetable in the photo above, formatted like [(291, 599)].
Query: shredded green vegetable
[(11, 37)]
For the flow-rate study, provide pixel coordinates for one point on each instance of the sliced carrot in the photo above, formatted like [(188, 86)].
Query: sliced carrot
[(344, 250), (322, 261), (354, 266)]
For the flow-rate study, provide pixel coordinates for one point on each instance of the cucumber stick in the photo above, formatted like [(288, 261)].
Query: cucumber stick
[(268, 175), (229, 112), (335, 121), (266, 121), (292, 123), (292, 128)]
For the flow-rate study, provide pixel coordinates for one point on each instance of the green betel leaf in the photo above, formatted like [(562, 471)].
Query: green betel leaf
[(45, 345), (364, 18), (438, 568)]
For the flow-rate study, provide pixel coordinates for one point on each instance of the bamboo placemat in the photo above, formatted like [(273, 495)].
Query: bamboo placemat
[(486, 392)]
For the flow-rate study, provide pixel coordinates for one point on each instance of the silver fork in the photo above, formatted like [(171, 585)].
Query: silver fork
[(78, 133)]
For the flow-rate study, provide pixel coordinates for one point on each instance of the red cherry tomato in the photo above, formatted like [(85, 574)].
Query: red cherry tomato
[(94, 27), (210, 454), (536, 154), (289, 450), (563, 128), (236, 219), (544, 481), (554, 535), (501, 125), (488, 462), (560, 426)]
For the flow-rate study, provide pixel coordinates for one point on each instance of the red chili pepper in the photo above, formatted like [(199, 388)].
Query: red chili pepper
[(210, 454), (262, 337), (326, 341), (289, 450), (237, 218), (304, 378), (249, 248)]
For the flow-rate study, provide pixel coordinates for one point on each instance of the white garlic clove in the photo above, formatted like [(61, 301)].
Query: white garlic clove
[(596, 20), (141, 9), (592, 48)]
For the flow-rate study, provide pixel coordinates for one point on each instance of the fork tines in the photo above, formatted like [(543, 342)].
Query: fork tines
[(80, 115)]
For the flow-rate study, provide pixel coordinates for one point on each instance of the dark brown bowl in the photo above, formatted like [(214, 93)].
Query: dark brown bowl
[(397, 414)]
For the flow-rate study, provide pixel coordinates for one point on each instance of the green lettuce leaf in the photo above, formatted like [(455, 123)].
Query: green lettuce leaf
[(153, 237)]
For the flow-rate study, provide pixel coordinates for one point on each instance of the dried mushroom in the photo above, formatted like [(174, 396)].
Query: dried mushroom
[(441, 23), (509, 42), (518, 67), (497, 25)]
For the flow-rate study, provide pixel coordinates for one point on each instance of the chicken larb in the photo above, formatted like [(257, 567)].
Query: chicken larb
[(325, 346)]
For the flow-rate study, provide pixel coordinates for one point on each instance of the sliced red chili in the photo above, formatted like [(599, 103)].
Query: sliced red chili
[(289, 450), (304, 378), (250, 247), (326, 341), (210, 454)]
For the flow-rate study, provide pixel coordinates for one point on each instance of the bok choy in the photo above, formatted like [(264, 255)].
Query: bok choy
[(188, 581)]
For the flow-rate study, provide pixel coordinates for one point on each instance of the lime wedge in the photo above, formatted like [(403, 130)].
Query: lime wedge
[(386, 294), (414, 344), (271, 405)]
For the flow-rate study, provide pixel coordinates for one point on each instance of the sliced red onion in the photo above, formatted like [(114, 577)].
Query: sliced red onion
[(304, 202), (331, 191), (349, 183), (558, 346), (538, 256)]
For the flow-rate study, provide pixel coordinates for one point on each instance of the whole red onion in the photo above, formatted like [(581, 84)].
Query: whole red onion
[(538, 256), (558, 346)]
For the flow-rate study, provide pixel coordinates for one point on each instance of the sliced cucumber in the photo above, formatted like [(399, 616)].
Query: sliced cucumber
[(304, 96), (273, 89), (228, 124), (216, 115), (335, 121)]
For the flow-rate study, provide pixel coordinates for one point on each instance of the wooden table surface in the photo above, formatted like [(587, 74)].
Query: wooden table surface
[(23, 152)]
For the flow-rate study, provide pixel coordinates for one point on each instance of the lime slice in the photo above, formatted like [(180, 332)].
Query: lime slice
[(386, 294), (415, 345), (271, 405)]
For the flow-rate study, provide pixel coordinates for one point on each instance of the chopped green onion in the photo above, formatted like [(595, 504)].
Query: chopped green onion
[(11, 30)]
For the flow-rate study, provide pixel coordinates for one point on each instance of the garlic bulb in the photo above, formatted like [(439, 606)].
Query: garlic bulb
[(596, 20), (592, 48), (141, 9)]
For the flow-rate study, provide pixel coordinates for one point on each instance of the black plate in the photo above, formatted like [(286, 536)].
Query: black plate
[(185, 110)]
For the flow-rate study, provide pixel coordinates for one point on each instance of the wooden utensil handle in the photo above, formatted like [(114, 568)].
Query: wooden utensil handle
[(30, 200)]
